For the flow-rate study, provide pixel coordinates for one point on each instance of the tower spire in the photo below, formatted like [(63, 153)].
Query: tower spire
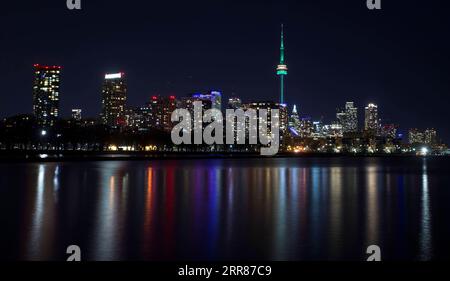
[(282, 69), (282, 46)]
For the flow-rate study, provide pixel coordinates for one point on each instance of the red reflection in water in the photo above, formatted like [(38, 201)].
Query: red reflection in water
[(169, 212), (148, 212)]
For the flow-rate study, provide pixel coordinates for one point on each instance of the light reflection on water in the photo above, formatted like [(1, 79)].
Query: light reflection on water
[(269, 209), (425, 230)]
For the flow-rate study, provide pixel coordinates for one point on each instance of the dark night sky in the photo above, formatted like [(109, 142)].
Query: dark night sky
[(337, 51)]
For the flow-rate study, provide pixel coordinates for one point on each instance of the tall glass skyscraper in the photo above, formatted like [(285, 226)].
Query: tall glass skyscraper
[(348, 118), (371, 118), (114, 97), (294, 120), (352, 117), (46, 94)]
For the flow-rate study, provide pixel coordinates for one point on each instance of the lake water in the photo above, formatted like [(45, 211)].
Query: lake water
[(227, 209)]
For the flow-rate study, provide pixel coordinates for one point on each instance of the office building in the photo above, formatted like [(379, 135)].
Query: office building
[(114, 97), (46, 86), (371, 121)]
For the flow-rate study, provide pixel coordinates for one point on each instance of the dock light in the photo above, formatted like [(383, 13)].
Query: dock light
[(424, 151)]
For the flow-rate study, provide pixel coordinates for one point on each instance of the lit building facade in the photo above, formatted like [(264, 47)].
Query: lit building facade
[(114, 97), (133, 119), (389, 131), (351, 124), (348, 118), (430, 136), (235, 103), (306, 128), (76, 114), (294, 120), (415, 136), (160, 111), (333, 130), (46, 85), (269, 106), (341, 117), (371, 121)]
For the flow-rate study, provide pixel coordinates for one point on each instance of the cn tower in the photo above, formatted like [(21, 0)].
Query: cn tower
[(282, 69)]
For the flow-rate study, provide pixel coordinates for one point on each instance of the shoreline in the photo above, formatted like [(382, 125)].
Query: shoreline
[(54, 156)]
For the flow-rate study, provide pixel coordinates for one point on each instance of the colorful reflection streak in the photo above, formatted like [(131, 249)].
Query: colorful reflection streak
[(269, 209)]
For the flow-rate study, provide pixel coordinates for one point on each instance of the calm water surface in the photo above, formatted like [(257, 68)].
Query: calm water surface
[(234, 209)]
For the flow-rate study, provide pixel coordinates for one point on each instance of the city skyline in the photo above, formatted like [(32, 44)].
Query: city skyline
[(296, 134), (319, 81), (225, 138), (156, 113)]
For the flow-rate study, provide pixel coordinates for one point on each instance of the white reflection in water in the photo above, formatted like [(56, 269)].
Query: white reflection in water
[(425, 230), (42, 216), (56, 184), (108, 222), (280, 214), (336, 210), (372, 206), (38, 211)]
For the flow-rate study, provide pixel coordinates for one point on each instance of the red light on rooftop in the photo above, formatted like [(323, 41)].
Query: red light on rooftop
[(38, 66), (154, 98), (172, 97)]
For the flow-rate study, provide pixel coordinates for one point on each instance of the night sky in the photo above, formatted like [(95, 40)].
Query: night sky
[(336, 51)]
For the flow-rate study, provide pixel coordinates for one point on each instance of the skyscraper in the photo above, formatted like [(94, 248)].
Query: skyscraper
[(352, 117), (46, 94), (114, 97), (348, 118), (282, 69), (430, 136), (371, 118), (294, 120), (341, 117), (162, 108)]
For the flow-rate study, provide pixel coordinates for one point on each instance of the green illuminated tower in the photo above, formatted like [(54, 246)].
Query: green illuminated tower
[(282, 69)]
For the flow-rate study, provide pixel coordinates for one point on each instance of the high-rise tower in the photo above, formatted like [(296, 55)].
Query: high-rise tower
[(371, 118), (114, 97), (282, 69), (46, 94)]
